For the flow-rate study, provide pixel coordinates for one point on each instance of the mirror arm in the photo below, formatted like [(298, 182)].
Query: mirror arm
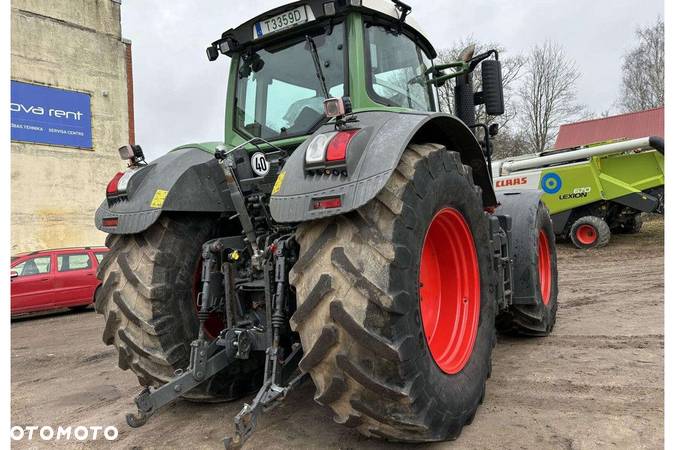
[(461, 68), (479, 58), (453, 65)]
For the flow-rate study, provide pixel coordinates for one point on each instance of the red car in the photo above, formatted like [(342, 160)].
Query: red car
[(53, 279)]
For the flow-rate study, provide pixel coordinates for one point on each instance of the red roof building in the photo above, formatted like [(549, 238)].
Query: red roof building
[(623, 126)]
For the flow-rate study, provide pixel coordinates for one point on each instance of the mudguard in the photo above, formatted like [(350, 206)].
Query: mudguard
[(188, 179), (372, 156), (522, 207)]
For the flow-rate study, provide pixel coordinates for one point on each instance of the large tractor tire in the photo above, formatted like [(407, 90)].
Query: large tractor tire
[(396, 303), (540, 258), (147, 297), (590, 232)]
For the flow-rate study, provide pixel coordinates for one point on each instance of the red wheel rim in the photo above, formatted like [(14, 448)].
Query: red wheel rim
[(214, 323), (544, 267), (449, 290), (586, 234)]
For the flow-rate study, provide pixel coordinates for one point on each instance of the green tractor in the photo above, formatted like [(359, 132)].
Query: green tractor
[(345, 229)]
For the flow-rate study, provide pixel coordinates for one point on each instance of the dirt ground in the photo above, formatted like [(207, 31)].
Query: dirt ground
[(596, 382)]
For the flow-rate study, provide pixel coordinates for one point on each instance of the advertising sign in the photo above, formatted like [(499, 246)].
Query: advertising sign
[(49, 115)]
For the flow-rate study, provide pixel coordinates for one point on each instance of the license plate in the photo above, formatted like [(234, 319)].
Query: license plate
[(280, 22)]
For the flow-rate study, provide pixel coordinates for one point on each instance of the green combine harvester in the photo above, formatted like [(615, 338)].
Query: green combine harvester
[(592, 191)]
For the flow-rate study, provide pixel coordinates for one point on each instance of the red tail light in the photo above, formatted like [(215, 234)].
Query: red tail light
[(111, 190), (337, 148)]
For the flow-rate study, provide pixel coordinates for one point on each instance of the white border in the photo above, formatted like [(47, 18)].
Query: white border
[(669, 308), (5, 189)]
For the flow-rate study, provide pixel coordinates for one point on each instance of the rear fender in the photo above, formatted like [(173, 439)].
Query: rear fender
[(522, 207), (372, 157), (187, 180)]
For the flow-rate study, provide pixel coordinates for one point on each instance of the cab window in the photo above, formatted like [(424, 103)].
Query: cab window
[(33, 266), (76, 261), (397, 70), (278, 93)]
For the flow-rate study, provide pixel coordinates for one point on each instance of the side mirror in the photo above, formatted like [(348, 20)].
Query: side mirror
[(13, 274), (212, 53), (493, 88)]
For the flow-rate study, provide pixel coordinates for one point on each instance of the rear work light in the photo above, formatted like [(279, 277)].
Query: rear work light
[(329, 148)]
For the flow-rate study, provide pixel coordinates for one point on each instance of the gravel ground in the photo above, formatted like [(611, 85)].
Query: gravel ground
[(596, 382)]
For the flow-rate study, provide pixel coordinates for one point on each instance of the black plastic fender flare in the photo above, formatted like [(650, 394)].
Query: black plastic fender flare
[(188, 179), (522, 207), (372, 157)]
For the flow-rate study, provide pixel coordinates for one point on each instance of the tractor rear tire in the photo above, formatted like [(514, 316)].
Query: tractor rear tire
[(147, 300), (537, 319), (367, 285), (590, 232)]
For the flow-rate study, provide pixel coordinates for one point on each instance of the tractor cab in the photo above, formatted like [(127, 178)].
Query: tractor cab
[(288, 61)]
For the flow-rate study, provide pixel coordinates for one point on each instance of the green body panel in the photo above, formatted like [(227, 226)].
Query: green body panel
[(622, 174), (603, 178), (575, 176)]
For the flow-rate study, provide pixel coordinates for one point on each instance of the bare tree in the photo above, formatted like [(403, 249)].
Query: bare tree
[(643, 70), (547, 94), (511, 68), (510, 142)]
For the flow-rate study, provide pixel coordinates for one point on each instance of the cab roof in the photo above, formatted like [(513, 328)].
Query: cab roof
[(236, 39)]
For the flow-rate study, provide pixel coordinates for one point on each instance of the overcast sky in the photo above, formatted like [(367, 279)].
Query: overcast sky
[(180, 96)]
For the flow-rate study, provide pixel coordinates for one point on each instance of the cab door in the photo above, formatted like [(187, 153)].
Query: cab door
[(32, 284), (73, 280)]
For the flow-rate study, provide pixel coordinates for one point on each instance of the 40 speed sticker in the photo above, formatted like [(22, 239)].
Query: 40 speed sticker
[(551, 183), (259, 164)]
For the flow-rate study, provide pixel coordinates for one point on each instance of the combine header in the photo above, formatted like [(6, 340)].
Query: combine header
[(592, 191)]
